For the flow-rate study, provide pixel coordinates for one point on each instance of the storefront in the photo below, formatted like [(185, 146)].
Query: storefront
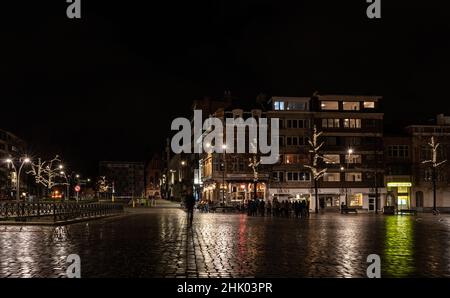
[(291, 194), (241, 192), (331, 198), (235, 192), (399, 195)]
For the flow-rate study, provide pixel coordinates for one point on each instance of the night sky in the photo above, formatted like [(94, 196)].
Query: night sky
[(107, 87)]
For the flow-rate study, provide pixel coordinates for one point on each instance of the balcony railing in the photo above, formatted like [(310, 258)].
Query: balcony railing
[(56, 211)]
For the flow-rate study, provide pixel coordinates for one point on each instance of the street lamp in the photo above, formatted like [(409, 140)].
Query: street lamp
[(67, 183), (224, 147), (350, 152), (23, 162)]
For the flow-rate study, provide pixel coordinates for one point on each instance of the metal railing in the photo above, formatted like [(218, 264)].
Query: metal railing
[(56, 211)]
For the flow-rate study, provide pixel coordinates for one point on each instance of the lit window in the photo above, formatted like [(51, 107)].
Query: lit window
[(332, 177), (292, 158), (330, 123), (329, 105), (350, 106), (352, 123), (353, 177), (356, 200), (353, 158), (279, 105), (369, 105), (332, 158)]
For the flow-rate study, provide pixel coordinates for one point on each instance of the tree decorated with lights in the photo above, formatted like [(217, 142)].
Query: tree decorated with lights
[(102, 184), (434, 164), (317, 173), (46, 172), (254, 164)]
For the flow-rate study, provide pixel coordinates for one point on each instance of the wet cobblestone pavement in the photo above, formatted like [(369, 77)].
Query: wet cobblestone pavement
[(158, 243)]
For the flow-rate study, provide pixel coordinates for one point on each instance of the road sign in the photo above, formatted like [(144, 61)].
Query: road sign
[(77, 188)]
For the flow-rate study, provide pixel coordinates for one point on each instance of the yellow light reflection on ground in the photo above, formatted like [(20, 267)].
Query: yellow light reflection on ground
[(398, 260)]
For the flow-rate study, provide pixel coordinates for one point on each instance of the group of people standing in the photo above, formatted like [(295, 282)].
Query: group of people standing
[(258, 207), (286, 208)]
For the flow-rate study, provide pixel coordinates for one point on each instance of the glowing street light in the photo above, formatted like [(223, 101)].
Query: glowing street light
[(224, 147), (23, 161), (350, 152)]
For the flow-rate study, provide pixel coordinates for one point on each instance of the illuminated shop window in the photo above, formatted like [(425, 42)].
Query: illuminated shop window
[(356, 200)]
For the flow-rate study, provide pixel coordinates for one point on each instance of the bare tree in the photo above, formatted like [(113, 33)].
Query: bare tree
[(434, 163), (254, 164), (314, 167), (102, 184), (46, 172)]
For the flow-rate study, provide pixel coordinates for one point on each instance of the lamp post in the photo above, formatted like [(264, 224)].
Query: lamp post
[(349, 152), (224, 147), (23, 161), (78, 177), (343, 171), (67, 184)]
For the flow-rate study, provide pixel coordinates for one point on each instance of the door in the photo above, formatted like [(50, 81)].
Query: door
[(322, 203), (419, 200)]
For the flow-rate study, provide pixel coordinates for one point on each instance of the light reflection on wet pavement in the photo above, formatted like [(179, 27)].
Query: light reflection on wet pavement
[(158, 243)]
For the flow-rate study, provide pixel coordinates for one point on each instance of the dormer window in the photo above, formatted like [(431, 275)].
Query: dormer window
[(278, 105)]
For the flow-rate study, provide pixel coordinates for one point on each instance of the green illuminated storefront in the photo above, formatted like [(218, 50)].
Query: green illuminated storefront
[(399, 194)]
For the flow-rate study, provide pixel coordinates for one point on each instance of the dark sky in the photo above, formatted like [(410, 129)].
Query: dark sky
[(107, 86)]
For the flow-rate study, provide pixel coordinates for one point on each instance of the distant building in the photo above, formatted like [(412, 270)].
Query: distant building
[(408, 179), (127, 178), (421, 173), (227, 177), (11, 146), (352, 131), (153, 177), (399, 177)]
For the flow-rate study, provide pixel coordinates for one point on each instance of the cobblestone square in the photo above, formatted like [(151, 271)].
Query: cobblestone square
[(158, 243)]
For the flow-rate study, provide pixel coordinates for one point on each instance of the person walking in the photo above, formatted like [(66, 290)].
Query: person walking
[(190, 204)]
